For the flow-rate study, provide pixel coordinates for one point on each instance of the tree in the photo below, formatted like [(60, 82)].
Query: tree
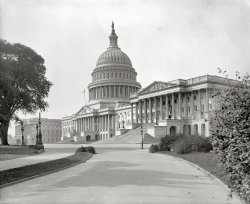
[(230, 135), (23, 85)]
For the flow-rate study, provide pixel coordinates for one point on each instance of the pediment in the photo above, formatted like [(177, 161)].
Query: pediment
[(84, 110), (157, 85)]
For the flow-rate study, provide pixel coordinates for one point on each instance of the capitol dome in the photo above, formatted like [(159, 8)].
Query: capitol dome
[(113, 56), (114, 78)]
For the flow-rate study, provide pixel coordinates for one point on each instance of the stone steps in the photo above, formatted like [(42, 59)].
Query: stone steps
[(131, 137)]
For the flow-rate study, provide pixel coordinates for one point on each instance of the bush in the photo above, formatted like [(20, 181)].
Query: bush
[(231, 135), (154, 148), (192, 143), (167, 142), (81, 149), (90, 149)]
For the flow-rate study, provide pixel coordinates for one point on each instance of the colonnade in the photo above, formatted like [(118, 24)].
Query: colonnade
[(95, 123), (180, 105), (111, 91)]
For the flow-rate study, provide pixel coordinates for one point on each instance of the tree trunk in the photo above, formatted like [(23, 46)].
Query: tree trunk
[(4, 132)]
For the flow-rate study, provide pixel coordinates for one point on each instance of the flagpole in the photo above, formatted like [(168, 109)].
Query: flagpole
[(84, 97)]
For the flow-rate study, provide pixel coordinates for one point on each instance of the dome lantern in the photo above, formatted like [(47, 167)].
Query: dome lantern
[(113, 38)]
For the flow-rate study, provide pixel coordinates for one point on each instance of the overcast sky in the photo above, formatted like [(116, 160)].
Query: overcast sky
[(165, 39)]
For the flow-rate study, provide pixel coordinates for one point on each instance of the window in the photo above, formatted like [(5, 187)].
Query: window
[(188, 109), (195, 107)]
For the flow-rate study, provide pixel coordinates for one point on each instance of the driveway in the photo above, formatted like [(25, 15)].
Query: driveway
[(121, 174)]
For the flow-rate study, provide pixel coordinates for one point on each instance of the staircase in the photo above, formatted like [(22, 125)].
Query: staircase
[(130, 137)]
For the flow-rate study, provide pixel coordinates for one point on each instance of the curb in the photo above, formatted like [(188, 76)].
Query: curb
[(44, 174), (211, 176)]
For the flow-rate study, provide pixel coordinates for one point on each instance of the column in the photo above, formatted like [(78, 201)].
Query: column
[(155, 107), (136, 112), (145, 111), (132, 114), (119, 91), (167, 110), (207, 103), (93, 123), (82, 125), (106, 126), (140, 111), (109, 92), (101, 123), (192, 105), (108, 123), (161, 112), (199, 104), (172, 104), (179, 105), (185, 106), (150, 110), (86, 127)]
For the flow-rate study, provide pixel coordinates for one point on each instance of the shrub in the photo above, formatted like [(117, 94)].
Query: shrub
[(81, 149), (153, 148), (167, 142), (90, 149), (230, 135), (192, 143)]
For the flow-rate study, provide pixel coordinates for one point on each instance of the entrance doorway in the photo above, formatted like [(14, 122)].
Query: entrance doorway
[(172, 130), (88, 138)]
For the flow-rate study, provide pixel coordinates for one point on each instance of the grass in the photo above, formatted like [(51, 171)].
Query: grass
[(13, 152), (12, 175), (207, 161)]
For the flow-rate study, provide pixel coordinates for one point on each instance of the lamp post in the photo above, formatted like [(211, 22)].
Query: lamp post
[(22, 129), (39, 144)]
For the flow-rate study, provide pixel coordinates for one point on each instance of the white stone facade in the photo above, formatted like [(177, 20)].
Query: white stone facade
[(51, 130), (117, 102)]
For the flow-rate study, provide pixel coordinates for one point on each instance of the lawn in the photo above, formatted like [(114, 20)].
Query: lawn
[(207, 161), (13, 152), (16, 174)]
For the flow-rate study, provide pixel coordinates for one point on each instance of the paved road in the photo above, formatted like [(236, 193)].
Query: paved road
[(120, 175)]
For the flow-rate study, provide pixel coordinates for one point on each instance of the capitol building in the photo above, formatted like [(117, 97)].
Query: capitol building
[(118, 104)]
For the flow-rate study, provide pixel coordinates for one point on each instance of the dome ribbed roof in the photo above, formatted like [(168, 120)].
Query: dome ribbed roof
[(113, 56)]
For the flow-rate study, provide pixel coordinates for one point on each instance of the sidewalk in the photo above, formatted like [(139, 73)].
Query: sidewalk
[(52, 152)]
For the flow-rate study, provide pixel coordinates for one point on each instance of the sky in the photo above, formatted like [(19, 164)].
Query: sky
[(165, 40)]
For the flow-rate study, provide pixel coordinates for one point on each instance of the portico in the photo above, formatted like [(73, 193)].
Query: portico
[(182, 106)]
